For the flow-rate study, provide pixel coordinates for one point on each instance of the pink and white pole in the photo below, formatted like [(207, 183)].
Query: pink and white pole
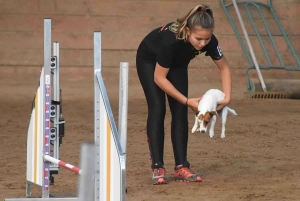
[(62, 164)]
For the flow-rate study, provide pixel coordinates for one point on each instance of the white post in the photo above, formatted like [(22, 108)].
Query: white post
[(46, 107), (123, 111), (123, 104), (250, 46), (86, 184), (97, 100), (56, 98)]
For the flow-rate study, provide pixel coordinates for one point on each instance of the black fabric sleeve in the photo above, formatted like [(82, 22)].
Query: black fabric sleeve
[(214, 50)]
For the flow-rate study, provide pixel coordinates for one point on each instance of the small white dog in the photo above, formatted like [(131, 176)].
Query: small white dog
[(207, 111)]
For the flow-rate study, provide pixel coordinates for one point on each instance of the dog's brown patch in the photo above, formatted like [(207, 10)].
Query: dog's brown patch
[(207, 117), (201, 117)]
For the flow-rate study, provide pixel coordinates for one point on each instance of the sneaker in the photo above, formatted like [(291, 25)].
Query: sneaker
[(183, 173), (159, 176)]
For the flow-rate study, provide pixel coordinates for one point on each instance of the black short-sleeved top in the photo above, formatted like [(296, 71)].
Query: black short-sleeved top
[(161, 46)]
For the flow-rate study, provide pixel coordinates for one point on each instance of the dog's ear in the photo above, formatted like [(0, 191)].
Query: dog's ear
[(212, 113)]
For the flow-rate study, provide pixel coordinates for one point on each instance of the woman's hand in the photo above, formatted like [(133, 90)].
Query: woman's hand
[(193, 103), (222, 103)]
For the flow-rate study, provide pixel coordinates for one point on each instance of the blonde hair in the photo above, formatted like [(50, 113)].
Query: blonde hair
[(200, 15)]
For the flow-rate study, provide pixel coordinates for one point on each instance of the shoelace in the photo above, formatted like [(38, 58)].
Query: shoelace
[(186, 172), (159, 172)]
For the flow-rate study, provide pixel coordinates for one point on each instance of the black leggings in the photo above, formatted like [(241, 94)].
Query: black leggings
[(156, 101)]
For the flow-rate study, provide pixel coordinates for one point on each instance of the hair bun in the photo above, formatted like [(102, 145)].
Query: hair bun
[(202, 8)]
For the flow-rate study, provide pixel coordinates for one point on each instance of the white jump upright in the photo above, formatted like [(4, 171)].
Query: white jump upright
[(110, 156), (106, 156), (46, 127)]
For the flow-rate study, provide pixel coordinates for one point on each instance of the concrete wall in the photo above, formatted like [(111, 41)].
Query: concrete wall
[(123, 24)]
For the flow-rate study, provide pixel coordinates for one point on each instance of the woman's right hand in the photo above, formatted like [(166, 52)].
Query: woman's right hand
[(193, 103)]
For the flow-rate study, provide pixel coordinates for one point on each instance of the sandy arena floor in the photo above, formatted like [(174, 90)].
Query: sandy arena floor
[(258, 160)]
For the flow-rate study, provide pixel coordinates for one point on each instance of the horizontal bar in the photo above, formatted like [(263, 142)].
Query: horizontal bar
[(62, 164)]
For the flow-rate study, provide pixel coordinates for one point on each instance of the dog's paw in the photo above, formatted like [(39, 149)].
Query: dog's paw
[(223, 135), (194, 129), (211, 133)]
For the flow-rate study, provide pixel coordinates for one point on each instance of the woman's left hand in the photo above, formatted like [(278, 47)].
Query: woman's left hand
[(222, 103)]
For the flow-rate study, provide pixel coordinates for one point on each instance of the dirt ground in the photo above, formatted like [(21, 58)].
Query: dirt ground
[(258, 160)]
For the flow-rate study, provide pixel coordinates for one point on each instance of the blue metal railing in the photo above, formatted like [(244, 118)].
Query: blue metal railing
[(270, 62)]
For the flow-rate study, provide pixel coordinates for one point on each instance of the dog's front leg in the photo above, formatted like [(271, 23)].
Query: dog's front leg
[(195, 124), (212, 126), (224, 119)]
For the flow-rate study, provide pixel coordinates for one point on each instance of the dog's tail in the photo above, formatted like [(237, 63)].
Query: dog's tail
[(231, 111)]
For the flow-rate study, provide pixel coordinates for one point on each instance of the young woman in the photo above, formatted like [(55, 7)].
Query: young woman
[(162, 61)]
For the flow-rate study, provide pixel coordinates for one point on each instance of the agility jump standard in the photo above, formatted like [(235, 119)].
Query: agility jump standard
[(109, 164)]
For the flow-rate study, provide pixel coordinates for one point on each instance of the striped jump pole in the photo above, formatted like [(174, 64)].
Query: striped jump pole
[(62, 164)]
